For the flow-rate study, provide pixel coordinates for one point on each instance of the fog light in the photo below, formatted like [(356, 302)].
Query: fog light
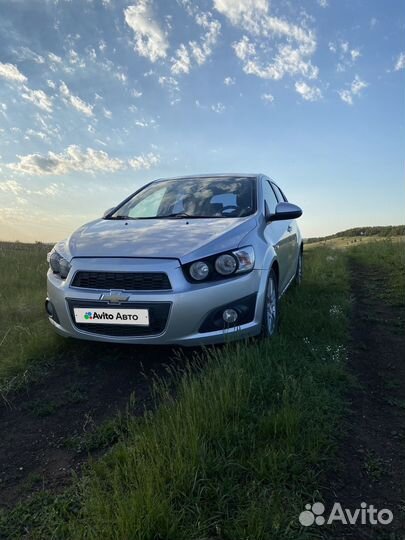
[(230, 315), (49, 308)]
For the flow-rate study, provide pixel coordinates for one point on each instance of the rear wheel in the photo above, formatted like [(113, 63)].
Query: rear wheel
[(271, 307)]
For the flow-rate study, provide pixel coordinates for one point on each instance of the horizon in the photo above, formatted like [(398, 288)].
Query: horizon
[(98, 98), (305, 238)]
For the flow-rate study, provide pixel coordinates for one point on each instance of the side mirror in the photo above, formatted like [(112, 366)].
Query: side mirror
[(285, 210), (105, 214)]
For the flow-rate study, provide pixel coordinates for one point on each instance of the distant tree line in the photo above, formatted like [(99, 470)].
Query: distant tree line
[(381, 231)]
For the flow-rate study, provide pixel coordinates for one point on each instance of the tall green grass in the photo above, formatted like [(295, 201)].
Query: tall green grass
[(240, 448), (25, 334), (387, 258)]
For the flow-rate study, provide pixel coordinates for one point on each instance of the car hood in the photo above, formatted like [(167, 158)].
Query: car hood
[(183, 239)]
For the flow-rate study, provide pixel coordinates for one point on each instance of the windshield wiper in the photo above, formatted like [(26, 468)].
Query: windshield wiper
[(180, 215), (175, 215)]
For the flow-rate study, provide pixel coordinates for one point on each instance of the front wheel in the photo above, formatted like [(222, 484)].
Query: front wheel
[(271, 307)]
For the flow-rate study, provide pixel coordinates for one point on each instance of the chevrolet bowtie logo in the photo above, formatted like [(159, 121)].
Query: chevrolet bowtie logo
[(114, 297)]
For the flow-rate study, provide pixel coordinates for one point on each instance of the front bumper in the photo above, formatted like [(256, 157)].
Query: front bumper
[(177, 314)]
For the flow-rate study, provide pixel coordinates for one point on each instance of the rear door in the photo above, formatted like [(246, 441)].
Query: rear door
[(276, 234), (292, 236)]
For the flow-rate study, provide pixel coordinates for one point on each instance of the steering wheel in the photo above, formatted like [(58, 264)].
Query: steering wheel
[(229, 209)]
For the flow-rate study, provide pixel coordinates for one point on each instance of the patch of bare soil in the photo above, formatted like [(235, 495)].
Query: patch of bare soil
[(39, 429), (371, 459)]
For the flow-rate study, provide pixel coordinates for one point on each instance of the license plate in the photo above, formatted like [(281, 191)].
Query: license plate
[(131, 317)]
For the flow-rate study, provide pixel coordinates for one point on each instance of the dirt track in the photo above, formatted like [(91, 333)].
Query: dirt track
[(72, 399), (371, 466)]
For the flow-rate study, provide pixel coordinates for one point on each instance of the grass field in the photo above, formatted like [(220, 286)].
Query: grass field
[(247, 434), (343, 242), (25, 339), (245, 443)]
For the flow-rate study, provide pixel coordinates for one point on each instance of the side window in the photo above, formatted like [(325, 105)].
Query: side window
[(269, 196), (279, 193)]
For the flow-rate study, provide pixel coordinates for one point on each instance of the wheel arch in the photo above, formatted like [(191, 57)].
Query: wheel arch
[(274, 266)]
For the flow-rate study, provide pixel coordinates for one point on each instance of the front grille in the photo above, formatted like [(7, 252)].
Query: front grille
[(123, 281), (158, 315)]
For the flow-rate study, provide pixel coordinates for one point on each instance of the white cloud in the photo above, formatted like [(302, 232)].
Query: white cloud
[(181, 62), (145, 123), (271, 47), (218, 108), (49, 130), (288, 60), (355, 89), (39, 134), (323, 3), (358, 85), (11, 186), (136, 93), (244, 48), (75, 60), (168, 81), (309, 93), (246, 13), (150, 40), (107, 113), (355, 53), (76, 102), (269, 98), (144, 161), (201, 51), (37, 98), (347, 55), (400, 63), (121, 77), (11, 73), (25, 53), (74, 159), (253, 16), (229, 81), (197, 51), (173, 87), (54, 58)]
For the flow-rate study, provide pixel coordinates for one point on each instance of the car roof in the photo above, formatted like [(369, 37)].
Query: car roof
[(211, 175)]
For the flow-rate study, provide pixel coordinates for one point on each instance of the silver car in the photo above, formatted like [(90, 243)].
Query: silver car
[(187, 261)]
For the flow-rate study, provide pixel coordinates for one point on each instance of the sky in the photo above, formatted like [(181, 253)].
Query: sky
[(98, 97)]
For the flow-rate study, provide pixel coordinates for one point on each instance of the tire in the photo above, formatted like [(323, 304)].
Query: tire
[(299, 271), (271, 313)]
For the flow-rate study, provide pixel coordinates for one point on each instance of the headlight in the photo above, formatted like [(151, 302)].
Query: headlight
[(226, 264), (222, 265), (58, 264), (53, 259), (246, 259), (199, 270)]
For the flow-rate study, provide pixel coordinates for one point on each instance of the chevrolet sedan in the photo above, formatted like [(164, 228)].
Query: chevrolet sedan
[(188, 261)]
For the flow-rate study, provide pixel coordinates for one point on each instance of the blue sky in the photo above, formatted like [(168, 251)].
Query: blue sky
[(98, 97)]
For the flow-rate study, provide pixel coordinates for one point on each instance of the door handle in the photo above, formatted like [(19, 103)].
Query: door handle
[(289, 228)]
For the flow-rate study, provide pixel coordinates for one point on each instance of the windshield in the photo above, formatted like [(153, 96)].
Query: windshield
[(219, 197)]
